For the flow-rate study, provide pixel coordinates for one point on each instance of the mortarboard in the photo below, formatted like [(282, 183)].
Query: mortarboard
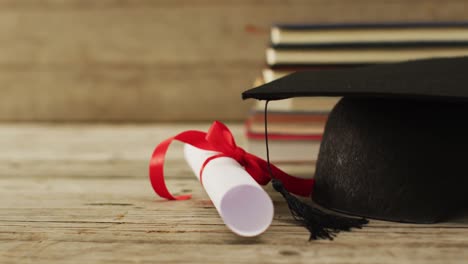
[(395, 146)]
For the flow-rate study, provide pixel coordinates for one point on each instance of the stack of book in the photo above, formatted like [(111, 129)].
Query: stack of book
[(295, 126)]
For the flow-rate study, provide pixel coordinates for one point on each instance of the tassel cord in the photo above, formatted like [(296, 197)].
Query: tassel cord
[(321, 225)]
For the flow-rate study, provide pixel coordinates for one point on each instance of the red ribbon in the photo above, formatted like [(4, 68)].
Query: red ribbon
[(220, 139)]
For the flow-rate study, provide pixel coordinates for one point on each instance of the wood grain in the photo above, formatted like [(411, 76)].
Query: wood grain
[(114, 60), (80, 194), (124, 95)]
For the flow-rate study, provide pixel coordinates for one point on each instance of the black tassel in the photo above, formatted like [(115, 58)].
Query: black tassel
[(321, 225)]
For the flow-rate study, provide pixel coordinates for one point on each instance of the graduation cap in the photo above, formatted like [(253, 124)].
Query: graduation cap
[(395, 147)]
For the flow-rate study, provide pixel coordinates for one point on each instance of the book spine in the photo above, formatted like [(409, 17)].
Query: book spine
[(387, 25)]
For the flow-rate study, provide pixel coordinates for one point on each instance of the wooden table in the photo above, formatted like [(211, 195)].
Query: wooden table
[(80, 194)]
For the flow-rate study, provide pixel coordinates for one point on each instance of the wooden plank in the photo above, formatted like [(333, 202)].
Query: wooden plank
[(126, 94), (96, 151), (81, 142), (77, 205), (72, 252), (160, 34), (89, 197), (113, 60), (104, 151), (64, 220)]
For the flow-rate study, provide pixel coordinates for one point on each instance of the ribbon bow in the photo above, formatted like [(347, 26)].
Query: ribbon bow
[(220, 139)]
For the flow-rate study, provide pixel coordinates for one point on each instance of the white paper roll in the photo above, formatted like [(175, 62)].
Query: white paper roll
[(241, 202)]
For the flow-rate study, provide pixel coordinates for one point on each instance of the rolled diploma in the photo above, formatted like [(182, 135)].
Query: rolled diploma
[(241, 202)]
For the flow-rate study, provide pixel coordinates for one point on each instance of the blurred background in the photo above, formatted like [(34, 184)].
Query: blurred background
[(158, 60)]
